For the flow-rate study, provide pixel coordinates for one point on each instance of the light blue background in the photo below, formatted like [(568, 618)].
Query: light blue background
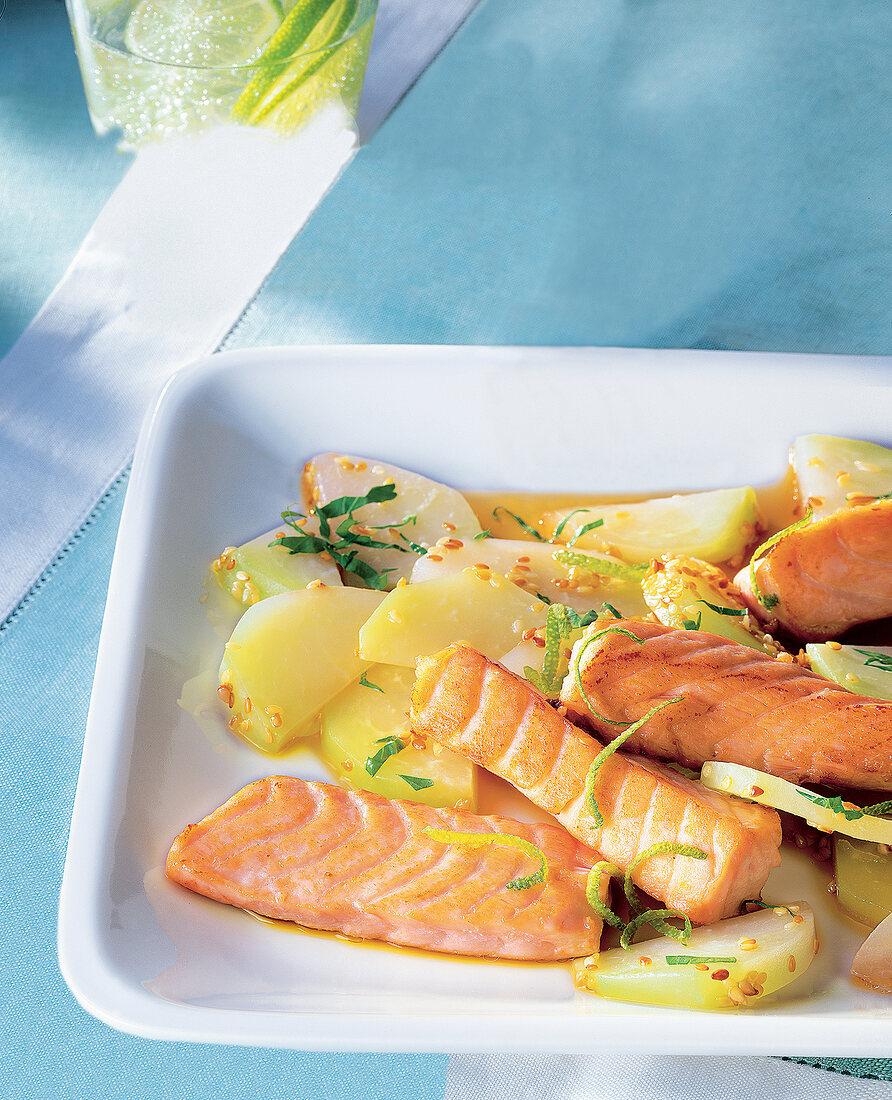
[(574, 171)]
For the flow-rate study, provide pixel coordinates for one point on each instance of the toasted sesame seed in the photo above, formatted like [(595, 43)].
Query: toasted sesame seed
[(448, 526), (727, 783), (241, 575), (645, 960), (755, 792), (747, 944), (791, 963), (701, 966), (833, 645), (522, 560), (843, 476), (249, 705), (452, 544), (590, 962), (433, 557), (720, 975), (480, 565), (347, 765)]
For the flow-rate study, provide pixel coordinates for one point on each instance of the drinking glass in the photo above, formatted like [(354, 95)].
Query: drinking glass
[(156, 67)]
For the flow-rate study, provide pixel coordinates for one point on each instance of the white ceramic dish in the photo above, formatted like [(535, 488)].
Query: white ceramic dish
[(217, 460)]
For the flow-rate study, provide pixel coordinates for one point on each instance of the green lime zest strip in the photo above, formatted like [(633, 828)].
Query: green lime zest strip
[(590, 801), (686, 960), (482, 840), (649, 917), (577, 674), (771, 601), (601, 566), (593, 892)]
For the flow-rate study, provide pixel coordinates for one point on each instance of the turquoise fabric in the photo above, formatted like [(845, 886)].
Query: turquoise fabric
[(580, 171)]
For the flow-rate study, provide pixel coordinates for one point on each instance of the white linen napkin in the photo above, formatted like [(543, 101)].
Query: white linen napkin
[(169, 266), (665, 1077)]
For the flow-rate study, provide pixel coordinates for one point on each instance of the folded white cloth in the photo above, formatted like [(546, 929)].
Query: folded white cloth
[(180, 249), (633, 1077)]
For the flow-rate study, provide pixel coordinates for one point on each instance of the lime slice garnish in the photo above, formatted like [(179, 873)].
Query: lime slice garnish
[(309, 30), (202, 33)]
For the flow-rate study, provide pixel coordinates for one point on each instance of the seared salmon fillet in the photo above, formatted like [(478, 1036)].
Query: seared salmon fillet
[(359, 864), (498, 720), (738, 705), (829, 575)]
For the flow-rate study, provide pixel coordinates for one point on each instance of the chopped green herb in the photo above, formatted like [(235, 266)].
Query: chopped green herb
[(877, 660), (344, 542), (686, 960), (692, 624), (735, 612), (484, 534), (771, 600), (767, 905), (590, 800), (559, 530), (849, 812), (481, 840), (609, 608), (390, 746), (584, 530), (529, 530), (366, 683), (417, 782)]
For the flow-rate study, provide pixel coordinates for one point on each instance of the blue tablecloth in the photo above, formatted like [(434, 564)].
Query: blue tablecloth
[(570, 172)]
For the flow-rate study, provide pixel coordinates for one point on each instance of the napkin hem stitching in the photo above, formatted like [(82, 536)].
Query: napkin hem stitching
[(94, 514), (834, 1069)]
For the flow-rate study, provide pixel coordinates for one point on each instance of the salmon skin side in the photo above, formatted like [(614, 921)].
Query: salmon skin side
[(827, 576), (737, 705), (498, 720), (356, 863)]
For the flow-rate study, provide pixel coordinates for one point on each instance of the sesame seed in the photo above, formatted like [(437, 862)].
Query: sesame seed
[(843, 476), (433, 557), (452, 544), (590, 962), (645, 960), (347, 765), (241, 575), (701, 966), (747, 944), (815, 461), (755, 792), (480, 565), (394, 616), (720, 975), (448, 526), (791, 963), (727, 783), (249, 706), (833, 645)]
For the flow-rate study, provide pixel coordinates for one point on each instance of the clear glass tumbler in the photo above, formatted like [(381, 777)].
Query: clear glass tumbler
[(156, 67)]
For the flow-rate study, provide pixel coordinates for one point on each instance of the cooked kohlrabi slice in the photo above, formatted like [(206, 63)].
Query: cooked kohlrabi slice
[(733, 963), (834, 473), (866, 670)]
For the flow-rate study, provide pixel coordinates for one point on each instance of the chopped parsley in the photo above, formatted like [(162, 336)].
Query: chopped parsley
[(366, 683), (417, 782), (390, 746)]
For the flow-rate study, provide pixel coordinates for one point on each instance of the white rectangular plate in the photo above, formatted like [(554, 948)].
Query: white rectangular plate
[(217, 460)]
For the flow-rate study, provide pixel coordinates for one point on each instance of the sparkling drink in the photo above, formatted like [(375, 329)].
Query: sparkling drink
[(156, 67)]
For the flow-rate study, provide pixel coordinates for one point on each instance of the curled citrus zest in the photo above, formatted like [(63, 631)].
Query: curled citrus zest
[(601, 566), (593, 892), (770, 601), (590, 801), (649, 917), (482, 840), (577, 663)]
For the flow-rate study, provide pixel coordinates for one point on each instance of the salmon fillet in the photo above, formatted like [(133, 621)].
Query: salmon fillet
[(829, 575), (356, 863), (737, 705), (499, 721)]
